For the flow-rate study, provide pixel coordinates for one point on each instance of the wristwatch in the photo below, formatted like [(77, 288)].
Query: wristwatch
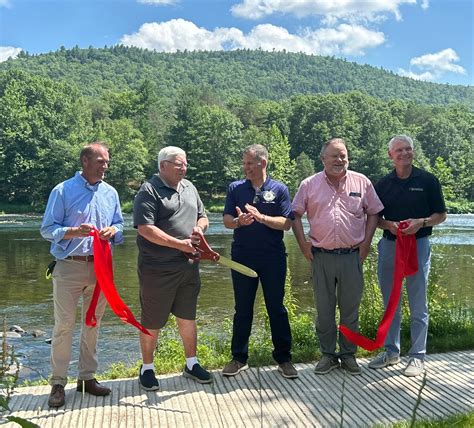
[(425, 222), (236, 222)]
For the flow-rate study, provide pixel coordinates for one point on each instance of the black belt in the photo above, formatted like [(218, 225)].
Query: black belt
[(81, 258), (335, 250)]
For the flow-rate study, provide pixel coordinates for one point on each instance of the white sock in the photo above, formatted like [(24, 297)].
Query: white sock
[(150, 366), (190, 362)]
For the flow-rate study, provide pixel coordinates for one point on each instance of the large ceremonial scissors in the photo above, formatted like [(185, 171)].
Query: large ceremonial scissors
[(205, 252)]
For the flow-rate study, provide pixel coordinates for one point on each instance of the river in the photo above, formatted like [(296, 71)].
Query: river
[(26, 295)]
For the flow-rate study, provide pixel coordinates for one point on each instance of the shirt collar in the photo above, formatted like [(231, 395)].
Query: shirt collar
[(341, 181), (262, 187), (87, 185), (163, 183), (415, 172)]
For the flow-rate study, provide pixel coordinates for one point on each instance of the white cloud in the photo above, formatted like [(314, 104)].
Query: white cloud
[(8, 52), (157, 2), (178, 34), (425, 4), (5, 3), (351, 10), (441, 61), (428, 76), (433, 66), (173, 35)]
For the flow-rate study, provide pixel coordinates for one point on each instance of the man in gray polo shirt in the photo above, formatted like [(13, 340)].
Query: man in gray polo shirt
[(169, 214)]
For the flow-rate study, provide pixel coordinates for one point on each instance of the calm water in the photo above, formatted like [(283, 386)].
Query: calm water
[(26, 296)]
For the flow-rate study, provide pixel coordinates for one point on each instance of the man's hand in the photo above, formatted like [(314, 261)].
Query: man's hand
[(186, 246), (364, 250), (196, 235), (107, 233), (392, 226), (414, 225), (84, 230), (306, 250), (245, 219), (256, 214)]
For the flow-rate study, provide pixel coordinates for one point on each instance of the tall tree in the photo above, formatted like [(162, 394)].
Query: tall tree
[(43, 124)]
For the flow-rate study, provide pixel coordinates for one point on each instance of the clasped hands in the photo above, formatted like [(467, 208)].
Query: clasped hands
[(414, 225), (106, 233), (252, 214)]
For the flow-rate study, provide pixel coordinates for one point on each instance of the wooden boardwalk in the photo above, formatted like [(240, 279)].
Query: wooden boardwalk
[(263, 398)]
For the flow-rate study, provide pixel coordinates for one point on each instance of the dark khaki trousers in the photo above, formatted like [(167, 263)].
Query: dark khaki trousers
[(338, 282)]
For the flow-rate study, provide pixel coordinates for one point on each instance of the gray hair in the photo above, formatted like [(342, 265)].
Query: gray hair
[(258, 150), (168, 153), (404, 138), (332, 141)]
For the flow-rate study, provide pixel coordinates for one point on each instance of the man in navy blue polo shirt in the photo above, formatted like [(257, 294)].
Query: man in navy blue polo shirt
[(259, 210), (412, 195)]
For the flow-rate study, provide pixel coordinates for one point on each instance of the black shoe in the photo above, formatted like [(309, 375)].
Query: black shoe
[(349, 364), (326, 364), (147, 380), (198, 374)]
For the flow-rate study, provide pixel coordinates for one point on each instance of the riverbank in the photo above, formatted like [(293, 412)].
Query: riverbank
[(213, 205), (27, 300)]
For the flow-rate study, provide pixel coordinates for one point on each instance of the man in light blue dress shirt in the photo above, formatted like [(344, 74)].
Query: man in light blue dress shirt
[(74, 208)]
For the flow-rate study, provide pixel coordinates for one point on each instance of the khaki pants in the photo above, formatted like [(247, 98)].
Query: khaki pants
[(71, 280)]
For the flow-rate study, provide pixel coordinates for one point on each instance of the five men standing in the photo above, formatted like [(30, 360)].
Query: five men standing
[(343, 211)]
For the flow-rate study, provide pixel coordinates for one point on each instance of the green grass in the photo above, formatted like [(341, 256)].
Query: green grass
[(451, 328), (7, 208), (464, 420)]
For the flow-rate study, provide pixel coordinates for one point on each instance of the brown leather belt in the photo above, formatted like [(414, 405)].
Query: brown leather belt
[(81, 258)]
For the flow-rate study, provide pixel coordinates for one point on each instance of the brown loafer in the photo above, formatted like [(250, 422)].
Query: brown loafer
[(92, 387), (57, 397)]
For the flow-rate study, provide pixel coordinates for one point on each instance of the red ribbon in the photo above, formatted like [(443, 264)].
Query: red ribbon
[(105, 283), (406, 263)]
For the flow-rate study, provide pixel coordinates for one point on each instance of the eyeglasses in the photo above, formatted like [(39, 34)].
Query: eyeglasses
[(244, 164), (258, 196), (178, 165)]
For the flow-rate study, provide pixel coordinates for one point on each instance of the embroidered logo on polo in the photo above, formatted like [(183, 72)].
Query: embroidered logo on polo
[(416, 189), (268, 195)]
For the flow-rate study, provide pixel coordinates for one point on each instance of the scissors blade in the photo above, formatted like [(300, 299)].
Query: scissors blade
[(237, 267)]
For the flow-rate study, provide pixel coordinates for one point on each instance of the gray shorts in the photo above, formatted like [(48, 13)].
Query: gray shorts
[(164, 291)]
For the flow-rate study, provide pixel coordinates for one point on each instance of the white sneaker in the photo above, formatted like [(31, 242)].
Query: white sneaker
[(415, 367), (384, 360)]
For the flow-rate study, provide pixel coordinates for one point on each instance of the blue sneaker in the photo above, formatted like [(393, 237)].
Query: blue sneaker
[(198, 374), (147, 380)]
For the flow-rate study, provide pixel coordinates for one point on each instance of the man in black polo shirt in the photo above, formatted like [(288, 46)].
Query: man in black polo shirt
[(412, 195), (259, 210)]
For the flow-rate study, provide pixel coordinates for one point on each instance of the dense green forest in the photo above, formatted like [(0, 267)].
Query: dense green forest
[(212, 104), (249, 73)]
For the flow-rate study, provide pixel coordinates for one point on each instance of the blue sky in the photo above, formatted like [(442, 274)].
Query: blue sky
[(422, 39)]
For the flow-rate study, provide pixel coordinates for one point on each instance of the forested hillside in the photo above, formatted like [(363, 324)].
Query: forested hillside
[(212, 105), (260, 74)]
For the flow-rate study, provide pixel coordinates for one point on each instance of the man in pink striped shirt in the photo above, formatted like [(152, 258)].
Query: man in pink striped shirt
[(342, 210)]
